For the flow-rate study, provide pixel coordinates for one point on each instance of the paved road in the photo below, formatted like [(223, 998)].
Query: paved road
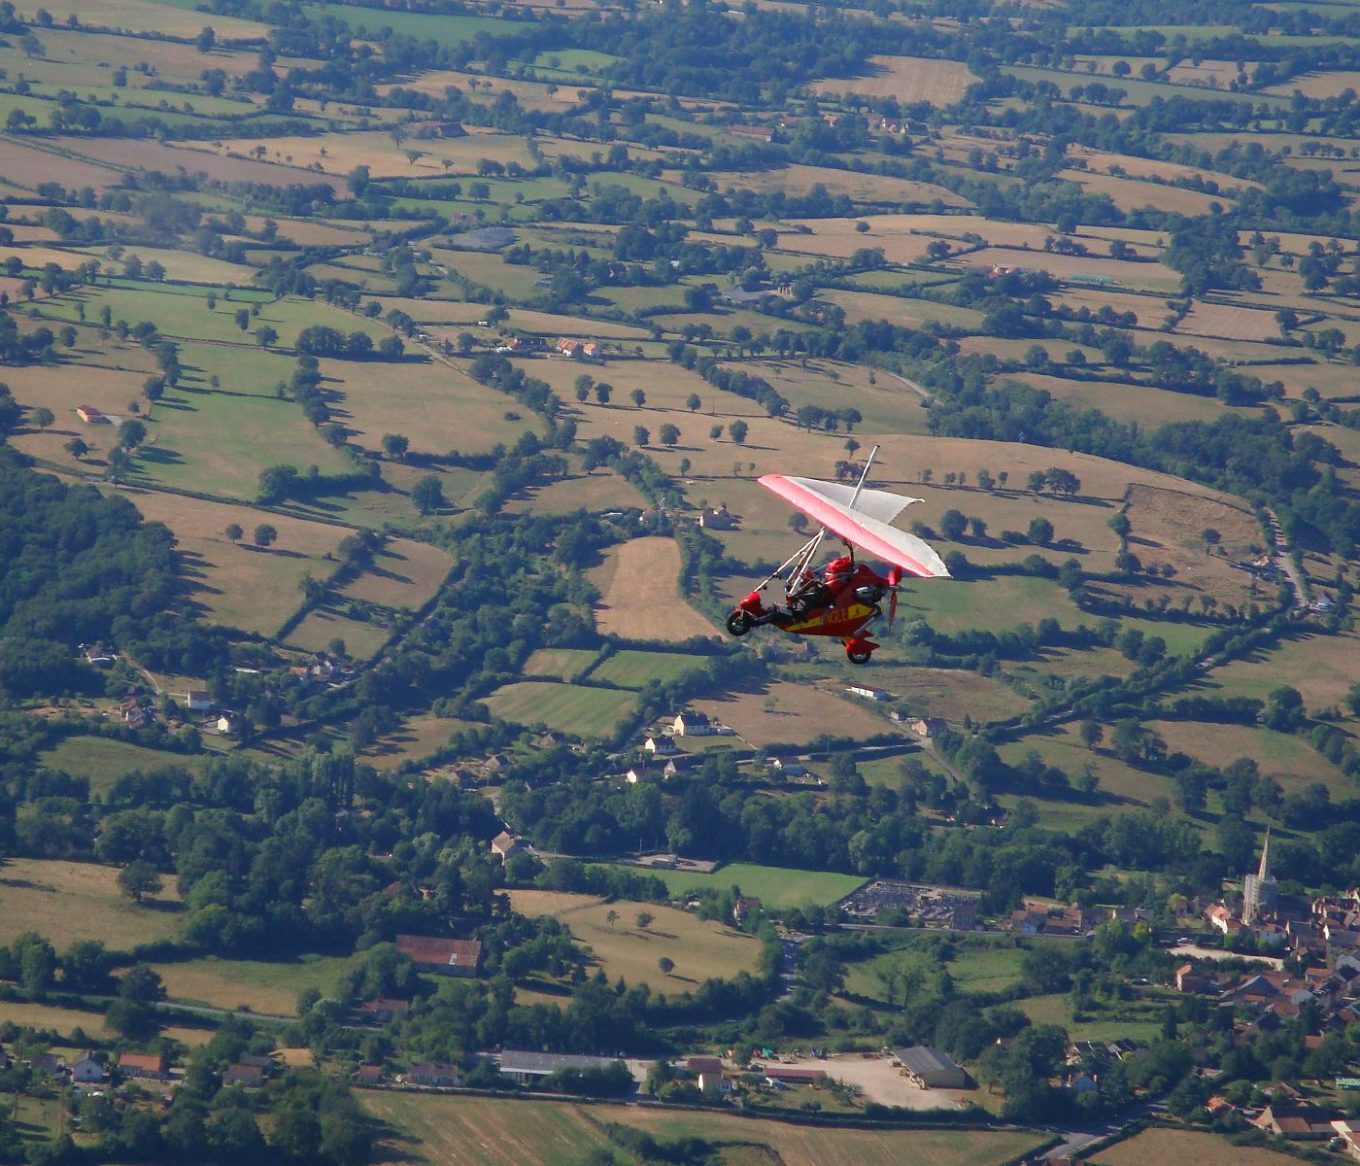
[(1074, 1141)]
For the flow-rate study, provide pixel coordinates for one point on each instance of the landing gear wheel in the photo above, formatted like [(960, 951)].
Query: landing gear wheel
[(858, 655), (739, 623)]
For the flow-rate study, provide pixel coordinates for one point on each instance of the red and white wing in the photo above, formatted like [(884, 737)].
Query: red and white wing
[(866, 524)]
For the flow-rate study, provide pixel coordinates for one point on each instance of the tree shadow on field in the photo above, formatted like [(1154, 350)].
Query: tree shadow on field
[(391, 1144)]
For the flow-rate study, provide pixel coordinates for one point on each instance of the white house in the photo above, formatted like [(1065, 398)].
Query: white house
[(88, 1071), (693, 724), (661, 745), (228, 723)]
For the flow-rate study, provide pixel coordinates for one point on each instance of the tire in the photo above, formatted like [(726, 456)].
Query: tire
[(858, 655), (738, 623)]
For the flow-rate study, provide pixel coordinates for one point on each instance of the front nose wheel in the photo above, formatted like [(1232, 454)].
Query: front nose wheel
[(857, 655), (739, 623)]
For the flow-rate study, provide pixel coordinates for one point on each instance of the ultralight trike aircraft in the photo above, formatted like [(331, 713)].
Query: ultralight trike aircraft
[(846, 596)]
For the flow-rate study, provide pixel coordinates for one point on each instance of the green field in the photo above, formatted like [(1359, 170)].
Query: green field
[(563, 663), (634, 669), (270, 987), (104, 761), (447, 31), (568, 708), (218, 444), (774, 886)]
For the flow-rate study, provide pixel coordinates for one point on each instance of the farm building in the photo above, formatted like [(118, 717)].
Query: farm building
[(368, 1075), (505, 845), (660, 745), (90, 415), (197, 700), (868, 692), (526, 1068), (449, 957), (787, 1076), (927, 726), (145, 1066), (931, 1069), (719, 518)]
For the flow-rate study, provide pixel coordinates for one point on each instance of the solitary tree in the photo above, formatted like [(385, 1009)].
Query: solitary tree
[(644, 919), (139, 879), (641, 435), (77, 447), (395, 444), (666, 964), (234, 531), (428, 495), (692, 402), (42, 417), (737, 431), (670, 435), (611, 917), (603, 391), (639, 397), (715, 433), (265, 535), (131, 433), (1040, 531), (243, 318)]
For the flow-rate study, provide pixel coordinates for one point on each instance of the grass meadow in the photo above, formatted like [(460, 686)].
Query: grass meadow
[(778, 887), (104, 761), (700, 948), (80, 900), (270, 988), (568, 708), (503, 1132)]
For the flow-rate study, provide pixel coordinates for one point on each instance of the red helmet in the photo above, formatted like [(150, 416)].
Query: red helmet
[(840, 569)]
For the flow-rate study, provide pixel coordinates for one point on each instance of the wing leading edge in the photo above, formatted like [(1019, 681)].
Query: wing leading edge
[(865, 525)]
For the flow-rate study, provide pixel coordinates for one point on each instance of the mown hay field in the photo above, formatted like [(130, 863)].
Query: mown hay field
[(1229, 322), (1148, 406), (230, 166), (1129, 194), (568, 708), (339, 154), (595, 492), (416, 738), (908, 79), (946, 692), (1163, 1145), (80, 900), (1317, 85), (701, 949), (1289, 759), (449, 1131), (322, 626), (241, 585), (1168, 525), (780, 711), (639, 596), (798, 180), (403, 574), (1321, 667)]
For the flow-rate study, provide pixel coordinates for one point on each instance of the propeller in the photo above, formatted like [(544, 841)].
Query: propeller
[(894, 578)]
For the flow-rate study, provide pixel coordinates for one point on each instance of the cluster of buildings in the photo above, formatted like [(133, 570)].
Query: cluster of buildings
[(92, 1068), (578, 349), (939, 907)]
